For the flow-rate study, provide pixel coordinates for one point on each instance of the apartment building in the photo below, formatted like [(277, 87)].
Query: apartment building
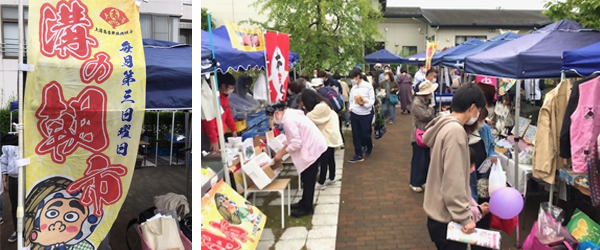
[(169, 20)]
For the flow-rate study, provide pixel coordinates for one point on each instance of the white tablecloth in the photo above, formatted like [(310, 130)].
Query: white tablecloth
[(524, 173)]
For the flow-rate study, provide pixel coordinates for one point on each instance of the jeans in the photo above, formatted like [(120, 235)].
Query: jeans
[(327, 163), (437, 233), (419, 165), (361, 133), (342, 131), (309, 179), (389, 110)]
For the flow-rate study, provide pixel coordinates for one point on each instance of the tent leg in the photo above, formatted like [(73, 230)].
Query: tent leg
[(188, 144), (172, 136), (10, 127), (157, 126), (516, 147)]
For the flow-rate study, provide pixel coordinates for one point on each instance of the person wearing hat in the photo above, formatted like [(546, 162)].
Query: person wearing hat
[(423, 113), (361, 100), (306, 145)]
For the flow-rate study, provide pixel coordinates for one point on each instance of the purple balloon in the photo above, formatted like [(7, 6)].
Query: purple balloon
[(506, 203)]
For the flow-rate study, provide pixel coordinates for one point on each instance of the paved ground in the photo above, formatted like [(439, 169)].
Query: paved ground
[(146, 183), (379, 211)]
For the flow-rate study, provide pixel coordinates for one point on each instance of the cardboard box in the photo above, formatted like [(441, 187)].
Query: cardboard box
[(260, 171), (277, 143)]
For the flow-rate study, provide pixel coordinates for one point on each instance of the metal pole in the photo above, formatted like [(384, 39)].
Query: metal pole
[(21, 180), (217, 107), (157, 126), (172, 138), (516, 153), (187, 153)]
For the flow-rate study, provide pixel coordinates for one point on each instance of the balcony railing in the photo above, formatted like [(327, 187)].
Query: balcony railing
[(10, 49)]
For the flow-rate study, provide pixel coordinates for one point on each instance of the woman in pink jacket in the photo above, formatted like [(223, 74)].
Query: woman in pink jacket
[(306, 146)]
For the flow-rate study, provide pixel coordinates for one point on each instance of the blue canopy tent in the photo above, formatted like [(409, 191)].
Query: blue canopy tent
[(455, 59), (533, 56), (207, 62), (418, 58), (584, 61), (383, 56), (437, 58), (228, 57)]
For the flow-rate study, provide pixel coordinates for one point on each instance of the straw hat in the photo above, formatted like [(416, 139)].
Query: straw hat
[(316, 82), (426, 88)]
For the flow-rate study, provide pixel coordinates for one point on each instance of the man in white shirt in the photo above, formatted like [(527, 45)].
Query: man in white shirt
[(419, 75), (362, 98)]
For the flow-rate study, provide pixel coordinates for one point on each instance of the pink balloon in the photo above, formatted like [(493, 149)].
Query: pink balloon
[(506, 203)]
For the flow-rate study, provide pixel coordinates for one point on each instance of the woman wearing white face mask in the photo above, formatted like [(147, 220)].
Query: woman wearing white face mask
[(226, 87), (306, 146)]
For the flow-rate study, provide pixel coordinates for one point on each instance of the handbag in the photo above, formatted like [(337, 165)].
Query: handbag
[(393, 99), (162, 234), (532, 242), (419, 138)]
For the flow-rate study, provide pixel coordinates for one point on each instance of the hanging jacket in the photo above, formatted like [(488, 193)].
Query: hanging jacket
[(587, 118), (565, 133), (546, 159)]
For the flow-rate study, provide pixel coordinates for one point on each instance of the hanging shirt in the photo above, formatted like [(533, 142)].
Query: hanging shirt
[(532, 90), (546, 158), (587, 118)]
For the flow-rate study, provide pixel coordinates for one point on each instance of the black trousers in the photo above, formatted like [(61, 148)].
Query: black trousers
[(361, 132), (309, 179), (437, 232), (327, 163), (13, 195), (341, 125), (419, 165)]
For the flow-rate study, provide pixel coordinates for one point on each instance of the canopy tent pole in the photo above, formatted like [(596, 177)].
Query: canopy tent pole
[(516, 153), (21, 179), (156, 149), (188, 145), (217, 106), (10, 127), (171, 139)]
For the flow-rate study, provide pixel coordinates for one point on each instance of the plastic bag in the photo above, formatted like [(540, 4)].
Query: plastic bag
[(549, 223), (497, 178)]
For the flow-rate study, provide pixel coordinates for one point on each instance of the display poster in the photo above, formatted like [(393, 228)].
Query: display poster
[(278, 65), (245, 39), (229, 221), (431, 49), (83, 111)]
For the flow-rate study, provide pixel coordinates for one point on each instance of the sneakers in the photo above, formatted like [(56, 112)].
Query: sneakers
[(1, 221), (320, 186), (356, 159), (330, 182), (368, 153), (417, 189), (13, 237)]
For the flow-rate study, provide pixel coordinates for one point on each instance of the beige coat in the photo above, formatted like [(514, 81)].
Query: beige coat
[(546, 159), (422, 113), (328, 123)]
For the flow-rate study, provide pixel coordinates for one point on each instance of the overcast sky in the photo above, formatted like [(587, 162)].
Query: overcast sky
[(469, 4)]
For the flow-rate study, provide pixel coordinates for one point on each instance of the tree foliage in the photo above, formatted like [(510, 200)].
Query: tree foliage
[(204, 20), (328, 34), (586, 12)]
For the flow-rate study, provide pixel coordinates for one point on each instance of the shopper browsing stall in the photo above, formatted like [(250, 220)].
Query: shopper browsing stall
[(306, 146), (423, 113), (447, 191), (320, 112), (226, 87), (362, 99)]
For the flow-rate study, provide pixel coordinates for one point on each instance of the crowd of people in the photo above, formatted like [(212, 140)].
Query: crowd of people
[(446, 147)]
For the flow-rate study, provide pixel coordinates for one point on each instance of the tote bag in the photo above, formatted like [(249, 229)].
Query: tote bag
[(497, 178), (162, 234)]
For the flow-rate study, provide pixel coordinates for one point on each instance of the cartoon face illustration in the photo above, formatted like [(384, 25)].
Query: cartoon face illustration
[(55, 219), (60, 221)]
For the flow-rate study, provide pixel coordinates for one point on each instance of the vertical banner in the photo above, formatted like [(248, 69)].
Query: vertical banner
[(431, 49), (83, 109), (278, 64), (229, 221)]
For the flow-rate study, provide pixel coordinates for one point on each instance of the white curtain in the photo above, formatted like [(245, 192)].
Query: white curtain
[(146, 24), (174, 29), (161, 28)]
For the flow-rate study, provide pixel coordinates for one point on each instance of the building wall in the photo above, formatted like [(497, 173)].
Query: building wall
[(232, 10), (447, 36), (402, 32), (8, 67)]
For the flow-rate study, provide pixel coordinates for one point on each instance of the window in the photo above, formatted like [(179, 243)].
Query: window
[(409, 50), (158, 27), (185, 36), (10, 31), (462, 39)]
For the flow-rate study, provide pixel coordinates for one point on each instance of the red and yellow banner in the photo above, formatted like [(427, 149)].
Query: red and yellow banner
[(245, 39), (278, 64), (229, 221), (83, 111), (431, 49)]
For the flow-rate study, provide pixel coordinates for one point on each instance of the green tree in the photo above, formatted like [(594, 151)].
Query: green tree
[(328, 34), (204, 20), (586, 12)]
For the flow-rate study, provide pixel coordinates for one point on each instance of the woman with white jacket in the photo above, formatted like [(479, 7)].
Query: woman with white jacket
[(319, 111)]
